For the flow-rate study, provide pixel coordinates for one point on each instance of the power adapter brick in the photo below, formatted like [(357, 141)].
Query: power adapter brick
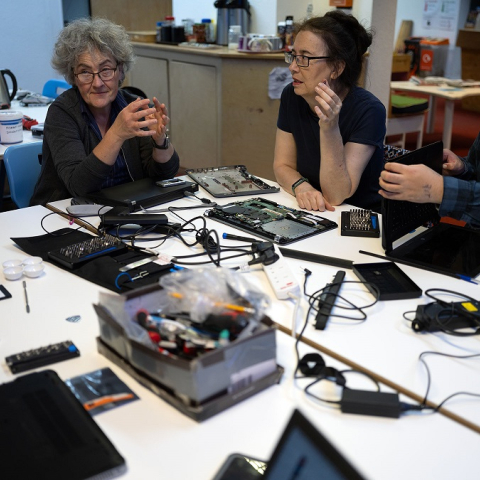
[(378, 404)]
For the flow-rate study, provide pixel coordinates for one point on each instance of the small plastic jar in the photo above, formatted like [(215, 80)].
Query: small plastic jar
[(11, 127)]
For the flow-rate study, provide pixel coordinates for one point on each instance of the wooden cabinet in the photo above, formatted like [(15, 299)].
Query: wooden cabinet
[(469, 42), (218, 103)]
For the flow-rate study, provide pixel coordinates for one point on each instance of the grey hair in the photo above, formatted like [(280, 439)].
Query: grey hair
[(90, 35)]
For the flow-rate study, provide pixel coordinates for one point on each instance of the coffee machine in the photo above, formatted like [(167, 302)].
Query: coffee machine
[(232, 12)]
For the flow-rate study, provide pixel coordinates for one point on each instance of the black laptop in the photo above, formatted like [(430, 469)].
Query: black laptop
[(430, 244), (302, 453), (47, 433), (140, 194)]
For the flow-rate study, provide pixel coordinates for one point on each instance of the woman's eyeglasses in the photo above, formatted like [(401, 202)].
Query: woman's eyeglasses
[(87, 77), (301, 60)]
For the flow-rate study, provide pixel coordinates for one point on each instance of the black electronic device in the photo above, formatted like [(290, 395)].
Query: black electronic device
[(39, 357), (37, 130), (135, 219), (140, 194), (46, 433), (77, 253), (430, 244), (302, 452), (359, 223), (271, 221), (315, 258), (327, 300), (392, 282), (435, 317), (229, 181)]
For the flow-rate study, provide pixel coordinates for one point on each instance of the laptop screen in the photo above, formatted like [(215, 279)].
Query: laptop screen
[(303, 453)]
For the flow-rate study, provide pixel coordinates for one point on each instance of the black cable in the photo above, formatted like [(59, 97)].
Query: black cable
[(209, 261), (406, 313), (450, 311), (424, 401), (71, 230), (315, 298), (319, 379)]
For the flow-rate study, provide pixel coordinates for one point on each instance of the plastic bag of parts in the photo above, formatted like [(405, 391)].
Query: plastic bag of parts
[(206, 291)]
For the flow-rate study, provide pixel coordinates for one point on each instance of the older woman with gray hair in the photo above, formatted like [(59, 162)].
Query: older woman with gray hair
[(97, 135)]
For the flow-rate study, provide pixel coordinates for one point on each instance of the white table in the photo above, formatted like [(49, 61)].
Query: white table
[(450, 94), (384, 344), (159, 442), (37, 113)]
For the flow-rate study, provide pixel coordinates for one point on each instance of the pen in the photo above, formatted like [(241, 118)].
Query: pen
[(98, 402), (27, 306), (468, 279), (241, 239), (230, 306)]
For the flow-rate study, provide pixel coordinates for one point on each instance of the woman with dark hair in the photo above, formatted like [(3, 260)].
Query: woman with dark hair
[(330, 132), (95, 134)]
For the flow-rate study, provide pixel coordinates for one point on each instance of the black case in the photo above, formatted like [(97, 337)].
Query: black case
[(393, 283)]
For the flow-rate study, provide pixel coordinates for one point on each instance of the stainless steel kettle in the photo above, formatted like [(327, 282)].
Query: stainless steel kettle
[(5, 96)]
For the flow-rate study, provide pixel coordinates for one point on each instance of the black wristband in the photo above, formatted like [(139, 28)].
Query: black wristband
[(297, 183), (165, 145)]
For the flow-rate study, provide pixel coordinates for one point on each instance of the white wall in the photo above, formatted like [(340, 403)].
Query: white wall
[(29, 29), (413, 10), (193, 9)]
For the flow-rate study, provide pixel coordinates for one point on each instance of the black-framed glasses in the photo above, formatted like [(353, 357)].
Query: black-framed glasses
[(301, 60), (87, 77)]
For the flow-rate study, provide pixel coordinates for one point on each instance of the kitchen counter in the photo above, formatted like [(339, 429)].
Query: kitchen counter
[(217, 101), (218, 51)]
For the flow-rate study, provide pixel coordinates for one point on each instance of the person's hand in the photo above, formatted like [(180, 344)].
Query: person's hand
[(162, 120), (452, 165), (329, 105), (414, 183), (135, 120), (311, 199)]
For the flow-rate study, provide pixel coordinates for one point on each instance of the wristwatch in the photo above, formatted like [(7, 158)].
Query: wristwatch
[(297, 183), (164, 146)]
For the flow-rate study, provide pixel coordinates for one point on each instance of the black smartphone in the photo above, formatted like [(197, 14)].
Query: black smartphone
[(241, 467)]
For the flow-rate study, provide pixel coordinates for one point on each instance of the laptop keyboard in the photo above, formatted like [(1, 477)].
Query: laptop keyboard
[(404, 217)]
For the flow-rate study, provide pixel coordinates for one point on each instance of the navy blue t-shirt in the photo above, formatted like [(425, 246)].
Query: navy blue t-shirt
[(362, 120)]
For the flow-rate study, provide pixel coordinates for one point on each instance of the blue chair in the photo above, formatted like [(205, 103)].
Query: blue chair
[(22, 164), (53, 88)]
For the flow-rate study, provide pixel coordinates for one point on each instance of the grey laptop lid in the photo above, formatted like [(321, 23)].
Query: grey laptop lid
[(140, 194)]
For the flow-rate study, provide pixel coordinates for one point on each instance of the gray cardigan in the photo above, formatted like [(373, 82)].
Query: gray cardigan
[(70, 169)]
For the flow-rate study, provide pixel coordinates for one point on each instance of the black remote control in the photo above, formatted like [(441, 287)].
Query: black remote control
[(39, 357), (327, 300)]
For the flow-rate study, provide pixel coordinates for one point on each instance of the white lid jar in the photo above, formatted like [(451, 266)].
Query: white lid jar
[(11, 127)]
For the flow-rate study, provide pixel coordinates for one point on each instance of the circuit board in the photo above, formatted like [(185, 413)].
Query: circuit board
[(271, 221), (229, 181)]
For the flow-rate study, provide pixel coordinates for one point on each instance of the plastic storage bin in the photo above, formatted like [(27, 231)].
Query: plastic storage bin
[(200, 387), (433, 57)]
